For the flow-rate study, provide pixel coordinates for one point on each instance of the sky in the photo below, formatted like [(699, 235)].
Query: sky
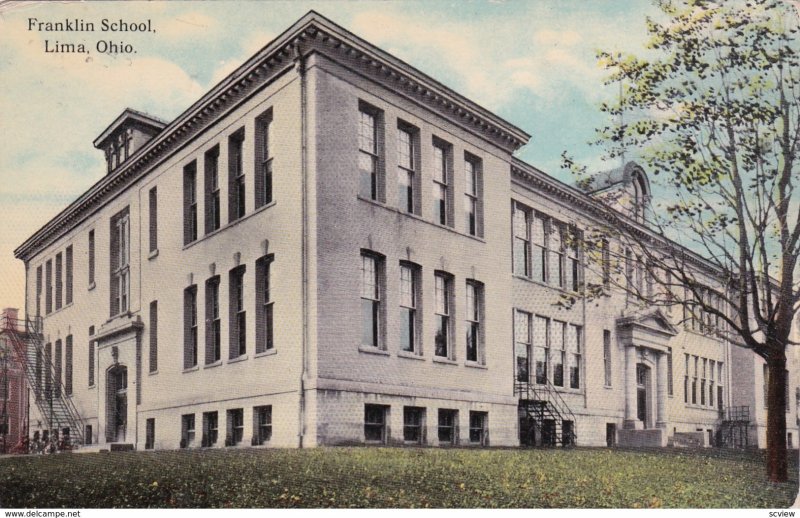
[(531, 62)]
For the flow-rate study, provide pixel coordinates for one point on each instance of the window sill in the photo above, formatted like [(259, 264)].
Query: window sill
[(90, 387), (191, 369), (372, 350), (237, 359), (153, 254), (446, 361), (410, 356), (418, 218), (546, 285), (609, 387), (228, 225), (152, 373), (476, 365), (92, 286), (212, 364), (268, 352)]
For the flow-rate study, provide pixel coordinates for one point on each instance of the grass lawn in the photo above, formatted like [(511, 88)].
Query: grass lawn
[(387, 477)]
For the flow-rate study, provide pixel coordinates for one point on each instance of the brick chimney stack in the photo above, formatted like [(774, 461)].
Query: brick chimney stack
[(9, 318)]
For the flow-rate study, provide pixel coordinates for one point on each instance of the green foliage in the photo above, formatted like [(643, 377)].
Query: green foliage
[(386, 477)]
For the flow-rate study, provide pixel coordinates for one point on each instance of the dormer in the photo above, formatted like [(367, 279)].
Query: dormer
[(126, 135), (625, 189)]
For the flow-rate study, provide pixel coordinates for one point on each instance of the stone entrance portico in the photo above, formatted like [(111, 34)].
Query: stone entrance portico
[(645, 337)]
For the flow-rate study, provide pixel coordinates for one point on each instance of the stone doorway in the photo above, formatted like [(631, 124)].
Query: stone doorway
[(117, 403)]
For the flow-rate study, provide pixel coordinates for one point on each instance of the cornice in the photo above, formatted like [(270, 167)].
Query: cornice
[(311, 33)]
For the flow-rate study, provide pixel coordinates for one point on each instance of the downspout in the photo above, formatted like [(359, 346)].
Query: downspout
[(301, 70)]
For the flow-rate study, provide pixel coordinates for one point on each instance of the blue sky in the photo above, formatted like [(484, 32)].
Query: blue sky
[(531, 62)]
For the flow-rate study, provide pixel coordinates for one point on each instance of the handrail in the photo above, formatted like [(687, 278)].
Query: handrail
[(32, 330)]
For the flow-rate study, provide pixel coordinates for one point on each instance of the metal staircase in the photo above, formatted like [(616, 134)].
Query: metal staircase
[(544, 417), (735, 423), (55, 406)]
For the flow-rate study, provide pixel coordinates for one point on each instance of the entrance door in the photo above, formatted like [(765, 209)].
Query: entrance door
[(117, 420), (642, 375)]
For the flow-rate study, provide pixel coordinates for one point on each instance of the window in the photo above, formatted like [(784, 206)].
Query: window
[(409, 294), (238, 315), (539, 238), (472, 206), (263, 180), (37, 388), (574, 342), (264, 306), (120, 256), (686, 379), (190, 327), (58, 370), (88, 435), (522, 242), (556, 243), (48, 273), (573, 246), (605, 251), (48, 371), (541, 350), (711, 392), (522, 339), (479, 428), (59, 279), (607, 357), (236, 186), (375, 423), (150, 434), (154, 336), (187, 430), (212, 203), (370, 144), (473, 323), (694, 382), (703, 383), (68, 366), (213, 328), (263, 424), (371, 314), (558, 351), (448, 426), (153, 214), (68, 275), (441, 182), (38, 290), (91, 258), (413, 425), (190, 203), (719, 386), (407, 168), (210, 429), (235, 433), (670, 390), (443, 291), (91, 357)]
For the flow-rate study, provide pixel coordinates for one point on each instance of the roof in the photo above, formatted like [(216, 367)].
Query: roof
[(311, 33), (126, 115), (608, 179)]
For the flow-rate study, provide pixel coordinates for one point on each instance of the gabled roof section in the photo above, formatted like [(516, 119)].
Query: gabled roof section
[(129, 115), (652, 319), (312, 33)]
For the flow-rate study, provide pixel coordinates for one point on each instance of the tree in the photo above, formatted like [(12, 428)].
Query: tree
[(713, 109)]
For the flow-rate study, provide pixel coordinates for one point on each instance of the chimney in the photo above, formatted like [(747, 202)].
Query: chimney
[(9, 318)]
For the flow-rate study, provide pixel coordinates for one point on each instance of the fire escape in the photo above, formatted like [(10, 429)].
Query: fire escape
[(54, 404), (544, 417), (735, 422)]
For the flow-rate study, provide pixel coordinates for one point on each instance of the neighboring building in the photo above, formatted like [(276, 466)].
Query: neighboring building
[(331, 247), (13, 388)]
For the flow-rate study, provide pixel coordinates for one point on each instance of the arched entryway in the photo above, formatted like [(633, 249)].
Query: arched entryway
[(116, 403)]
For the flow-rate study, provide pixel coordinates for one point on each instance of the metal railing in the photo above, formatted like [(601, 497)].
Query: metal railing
[(548, 393), (51, 396)]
